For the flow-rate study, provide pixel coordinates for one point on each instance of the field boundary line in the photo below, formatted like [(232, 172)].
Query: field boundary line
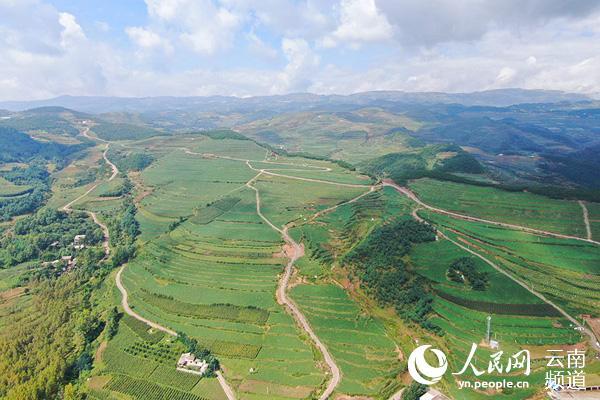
[(297, 252), (593, 340), (411, 195), (124, 296)]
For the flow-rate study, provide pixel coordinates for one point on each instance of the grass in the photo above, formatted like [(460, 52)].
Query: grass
[(518, 208), (433, 259)]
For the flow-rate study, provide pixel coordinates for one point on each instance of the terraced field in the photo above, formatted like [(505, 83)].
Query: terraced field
[(139, 363), (518, 208), (359, 343), (594, 215), (288, 199), (567, 271), (209, 266), (216, 281)]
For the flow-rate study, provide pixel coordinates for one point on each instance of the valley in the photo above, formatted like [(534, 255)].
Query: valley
[(303, 275)]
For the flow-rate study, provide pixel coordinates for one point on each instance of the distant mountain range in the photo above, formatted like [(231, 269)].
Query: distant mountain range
[(295, 102)]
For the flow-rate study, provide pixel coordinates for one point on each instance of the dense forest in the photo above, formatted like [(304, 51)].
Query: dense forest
[(37, 178), (378, 263), (52, 346), (440, 159), (16, 146)]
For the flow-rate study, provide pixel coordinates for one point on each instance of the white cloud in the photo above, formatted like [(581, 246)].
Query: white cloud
[(201, 25), (360, 22), (301, 67), (146, 39), (505, 76), (217, 49), (72, 32)]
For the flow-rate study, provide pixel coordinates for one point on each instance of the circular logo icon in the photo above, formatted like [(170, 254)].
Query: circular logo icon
[(421, 371)]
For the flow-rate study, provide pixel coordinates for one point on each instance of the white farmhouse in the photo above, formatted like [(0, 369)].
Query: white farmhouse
[(189, 363)]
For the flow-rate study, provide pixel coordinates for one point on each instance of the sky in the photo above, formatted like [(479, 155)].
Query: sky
[(261, 47)]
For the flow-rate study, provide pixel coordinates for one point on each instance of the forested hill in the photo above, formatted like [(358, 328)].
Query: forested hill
[(16, 146)]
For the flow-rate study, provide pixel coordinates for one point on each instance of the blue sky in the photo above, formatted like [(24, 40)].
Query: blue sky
[(261, 47)]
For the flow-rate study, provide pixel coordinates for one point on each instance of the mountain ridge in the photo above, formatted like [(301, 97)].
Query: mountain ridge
[(103, 104)]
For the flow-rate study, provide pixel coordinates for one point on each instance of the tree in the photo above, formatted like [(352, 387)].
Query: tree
[(414, 391), (112, 323)]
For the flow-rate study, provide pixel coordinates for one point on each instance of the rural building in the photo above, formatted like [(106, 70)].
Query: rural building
[(189, 363), (79, 242), (433, 395)]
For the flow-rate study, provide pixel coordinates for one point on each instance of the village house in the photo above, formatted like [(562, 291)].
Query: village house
[(189, 363), (79, 242)]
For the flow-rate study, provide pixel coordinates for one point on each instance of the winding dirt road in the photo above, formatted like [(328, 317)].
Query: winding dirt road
[(297, 251), (68, 206), (407, 192), (119, 282)]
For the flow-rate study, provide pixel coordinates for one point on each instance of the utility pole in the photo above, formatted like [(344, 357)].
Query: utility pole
[(489, 329)]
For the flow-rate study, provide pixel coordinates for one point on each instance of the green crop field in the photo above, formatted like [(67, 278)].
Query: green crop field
[(517, 208), (594, 216), (209, 266), (566, 271), (432, 260), (288, 199), (215, 280), (358, 342)]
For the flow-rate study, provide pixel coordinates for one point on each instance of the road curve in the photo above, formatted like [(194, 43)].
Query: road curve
[(105, 232), (593, 340), (124, 297), (408, 193), (132, 313), (282, 296)]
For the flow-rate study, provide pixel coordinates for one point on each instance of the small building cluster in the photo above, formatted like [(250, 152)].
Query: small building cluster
[(68, 263), (189, 363)]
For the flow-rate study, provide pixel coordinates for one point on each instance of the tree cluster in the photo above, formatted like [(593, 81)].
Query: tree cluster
[(379, 265), (124, 229), (37, 177), (200, 352), (464, 270), (48, 235)]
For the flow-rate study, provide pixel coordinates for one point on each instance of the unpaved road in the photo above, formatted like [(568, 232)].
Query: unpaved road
[(407, 192), (124, 299), (586, 219), (68, 206), (282, 297), (132, 313), (592, 338)]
